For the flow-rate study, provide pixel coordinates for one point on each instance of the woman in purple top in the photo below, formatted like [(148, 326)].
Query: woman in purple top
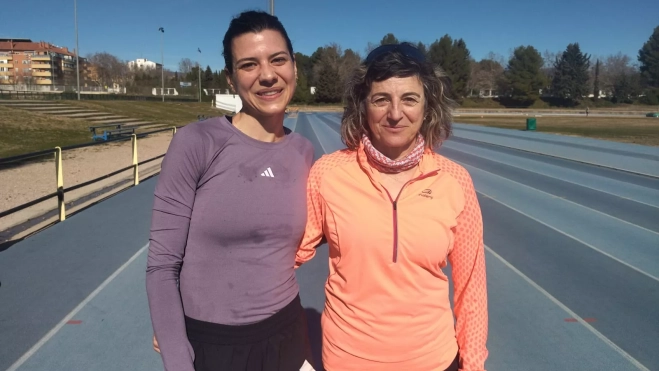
[(228, 214)]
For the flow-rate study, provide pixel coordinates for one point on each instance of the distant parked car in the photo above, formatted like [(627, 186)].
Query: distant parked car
[(652, 114)]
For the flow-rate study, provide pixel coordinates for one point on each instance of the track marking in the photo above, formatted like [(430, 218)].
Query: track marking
[(555, 196), (573, 315), (75, 311), (572, 237)]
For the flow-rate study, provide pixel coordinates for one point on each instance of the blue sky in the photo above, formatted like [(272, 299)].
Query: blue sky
[(129, 28)]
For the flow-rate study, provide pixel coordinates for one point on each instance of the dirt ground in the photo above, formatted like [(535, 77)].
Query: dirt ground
[(28, 182)]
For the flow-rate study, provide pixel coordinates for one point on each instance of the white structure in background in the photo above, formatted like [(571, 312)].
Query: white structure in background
[(168, 91), (313, 90), (215, 91), (228, 102), (143, 63)]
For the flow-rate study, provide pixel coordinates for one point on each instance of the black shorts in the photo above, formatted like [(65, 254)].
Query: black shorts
[(455, 365), (278, 343)]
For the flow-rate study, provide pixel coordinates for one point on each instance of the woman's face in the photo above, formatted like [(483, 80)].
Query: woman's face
[(264, 73), (394, 111)]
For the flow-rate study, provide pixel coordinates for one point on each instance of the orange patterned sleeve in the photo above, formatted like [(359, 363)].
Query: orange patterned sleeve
[(467, 260), (313, 233)]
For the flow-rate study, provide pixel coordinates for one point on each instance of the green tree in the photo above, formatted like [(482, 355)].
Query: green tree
[(314, 64), (347, 65), (440, 50), (207, 77), (596, 82), (571, 74), (454, 58), (523, 78), (302, 92), (422, 47), (328, 89), (648, 55), (389, 39), (223, 84), (327, 60), (626, 87), (303, 63)]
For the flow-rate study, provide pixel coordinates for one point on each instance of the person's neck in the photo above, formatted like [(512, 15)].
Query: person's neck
[(265, 129)]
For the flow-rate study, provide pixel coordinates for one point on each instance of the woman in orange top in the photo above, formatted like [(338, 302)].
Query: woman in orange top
[(394, 213)]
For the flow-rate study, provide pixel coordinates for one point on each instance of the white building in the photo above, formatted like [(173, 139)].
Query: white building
[(143, 63)]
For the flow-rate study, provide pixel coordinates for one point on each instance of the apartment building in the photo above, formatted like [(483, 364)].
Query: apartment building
[(27, 63)]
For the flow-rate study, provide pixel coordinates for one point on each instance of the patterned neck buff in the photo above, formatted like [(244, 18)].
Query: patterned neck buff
[(386, 165)]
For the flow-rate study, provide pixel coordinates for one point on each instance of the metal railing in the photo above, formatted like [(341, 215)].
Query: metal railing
[(60, 191)]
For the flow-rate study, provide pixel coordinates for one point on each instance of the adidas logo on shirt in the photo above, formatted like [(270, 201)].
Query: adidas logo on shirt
[(268, 173)]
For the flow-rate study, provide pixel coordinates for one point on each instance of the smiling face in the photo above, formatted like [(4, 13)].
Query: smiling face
[(264, 72), (394, 111)]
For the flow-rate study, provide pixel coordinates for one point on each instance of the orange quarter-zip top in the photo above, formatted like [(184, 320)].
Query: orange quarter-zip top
[(387, 298)]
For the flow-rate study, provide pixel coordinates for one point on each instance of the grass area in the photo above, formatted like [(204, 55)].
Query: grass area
[(167, 114), (641, 130), (23, 131), (554, 104)]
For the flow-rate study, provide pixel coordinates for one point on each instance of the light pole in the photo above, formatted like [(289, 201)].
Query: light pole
[(199, 71), (75, 16), (272, 7), (162, 60)]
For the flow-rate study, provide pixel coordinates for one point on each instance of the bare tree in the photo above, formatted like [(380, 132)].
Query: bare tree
[(473, 85), (619, 75), (485, 74), (185, 66), (109, 69), (370, 46), (496, 58)]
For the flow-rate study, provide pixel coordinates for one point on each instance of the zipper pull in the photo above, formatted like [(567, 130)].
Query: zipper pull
[(395, 252)]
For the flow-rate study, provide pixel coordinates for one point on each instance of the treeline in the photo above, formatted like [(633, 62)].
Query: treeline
[(565, 78)]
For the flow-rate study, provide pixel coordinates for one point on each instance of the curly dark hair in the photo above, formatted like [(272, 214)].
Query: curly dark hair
[(401, 60)]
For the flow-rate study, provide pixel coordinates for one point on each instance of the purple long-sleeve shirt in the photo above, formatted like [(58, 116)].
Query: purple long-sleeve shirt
[(228, 214)]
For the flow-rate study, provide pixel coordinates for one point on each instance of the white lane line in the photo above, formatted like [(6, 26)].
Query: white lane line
[(564, 199), (75, 311), (317, 137), (572, 237), (606, 340), (548, 175), (634, 172), (293, 121)]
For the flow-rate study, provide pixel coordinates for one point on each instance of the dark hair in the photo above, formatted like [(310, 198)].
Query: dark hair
[(251, 21), (399, 60)]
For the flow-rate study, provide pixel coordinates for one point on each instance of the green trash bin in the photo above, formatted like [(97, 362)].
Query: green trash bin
[(530, 123)]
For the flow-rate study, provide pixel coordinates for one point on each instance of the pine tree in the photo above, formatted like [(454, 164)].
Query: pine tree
[(422, 47), (454, 58), (328, 89), (389, 39), (596, 83), (571, 74), (523, 77), (302, 93), (648, 55), (207, 76)]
